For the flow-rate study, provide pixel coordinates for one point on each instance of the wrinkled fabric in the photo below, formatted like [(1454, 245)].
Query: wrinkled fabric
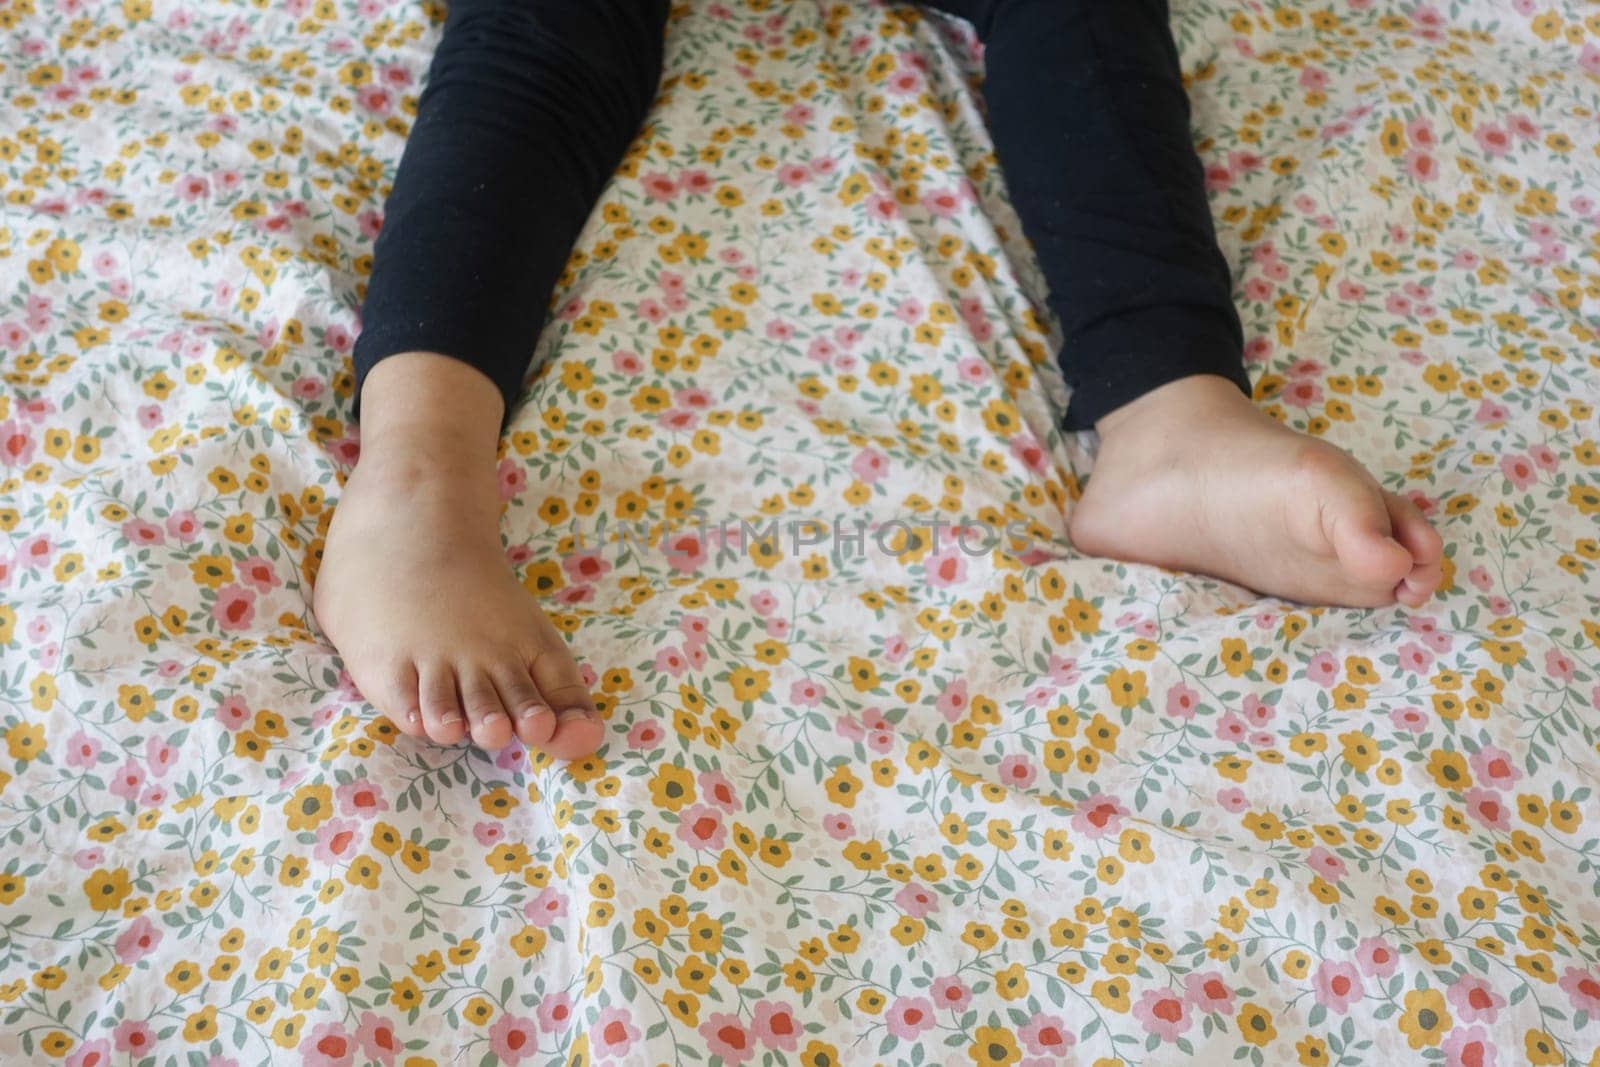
[(859, 801)]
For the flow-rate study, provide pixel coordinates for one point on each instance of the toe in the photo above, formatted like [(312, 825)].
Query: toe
[(578, 734), (441, 710), (531, 718), (404, 708), (393, 691), (578, 729), (488, 723), (1356, 523), (1411, 529), (556, 674)]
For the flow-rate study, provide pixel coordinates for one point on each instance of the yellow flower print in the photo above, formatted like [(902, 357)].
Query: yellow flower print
[(12, 886), (1255, 1024), (1112, 993), (1425, 1018), (24, 741), (994, 1046), (309, 807), (105, 889), (844, 787), (1127, 688)]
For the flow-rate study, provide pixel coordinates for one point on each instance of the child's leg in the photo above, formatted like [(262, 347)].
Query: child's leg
[(529, 107), (1090, 122)]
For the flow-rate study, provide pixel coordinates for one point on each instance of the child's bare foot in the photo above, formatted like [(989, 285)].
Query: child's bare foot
[(1194, 477), (414, 588)]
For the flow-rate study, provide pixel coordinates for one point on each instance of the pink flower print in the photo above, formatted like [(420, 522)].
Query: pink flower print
[(1323, 669), (657, 186), (1098, 815), (235, 607), (191, 187), (1209, 992), (515, 1038), (337, 841), (685, 551), (614, 1033), (1469, 1046), (1411, 720), (1420, 166), (1232, 799), (1493, 139), (952, 703), (645, 735), (1415, 658), (1017, 771), (1325, 863), (160, 757), (546, 908), (726, 1037), (716, 788), (1376, 958), (1494, 767), (585, 566), (916, 900), (806, 693), (134, 1037), (701, 828), (1181, 701), (870, 465), (951, 993), (1583, 989), (377, 1037), (1486, 807), (1559, 665), (1337, 985), (839, 826), (361, 798), (140, 532), (82, 750), (775, 1025), (91, 1054), (908, 1017), (555, 1012), (233, 713), (139, 940), (127, 781), (183, 526), (1474, 1000), (945, 569), (1162, 1013)]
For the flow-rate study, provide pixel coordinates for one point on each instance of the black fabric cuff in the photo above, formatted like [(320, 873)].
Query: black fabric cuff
[(1125, 356)]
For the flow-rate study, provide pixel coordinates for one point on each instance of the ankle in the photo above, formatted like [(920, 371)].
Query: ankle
[(417, 404), (1184, 401)]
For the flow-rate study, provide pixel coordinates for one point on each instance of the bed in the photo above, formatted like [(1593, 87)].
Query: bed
[(867, 796)]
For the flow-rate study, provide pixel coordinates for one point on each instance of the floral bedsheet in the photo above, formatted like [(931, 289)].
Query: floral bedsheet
[(869, 794)]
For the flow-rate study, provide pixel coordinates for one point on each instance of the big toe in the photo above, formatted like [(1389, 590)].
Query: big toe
[(1367, 550), (1354, 520), (578, 733), (392, 689), (578, 728), (1422, 541)]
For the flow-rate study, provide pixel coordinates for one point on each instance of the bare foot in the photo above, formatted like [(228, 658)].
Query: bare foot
[(415, 590), (1194, 477)]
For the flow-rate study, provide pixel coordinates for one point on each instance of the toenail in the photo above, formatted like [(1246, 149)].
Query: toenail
[(573, 713), (412, 716), (450, 717), (493, 716), (531, 710)]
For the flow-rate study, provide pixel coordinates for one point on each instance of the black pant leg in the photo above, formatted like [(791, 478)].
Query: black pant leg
[(1090, 121), (529, 107)]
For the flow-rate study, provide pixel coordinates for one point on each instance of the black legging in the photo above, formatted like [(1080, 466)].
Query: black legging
[(530, 105)]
